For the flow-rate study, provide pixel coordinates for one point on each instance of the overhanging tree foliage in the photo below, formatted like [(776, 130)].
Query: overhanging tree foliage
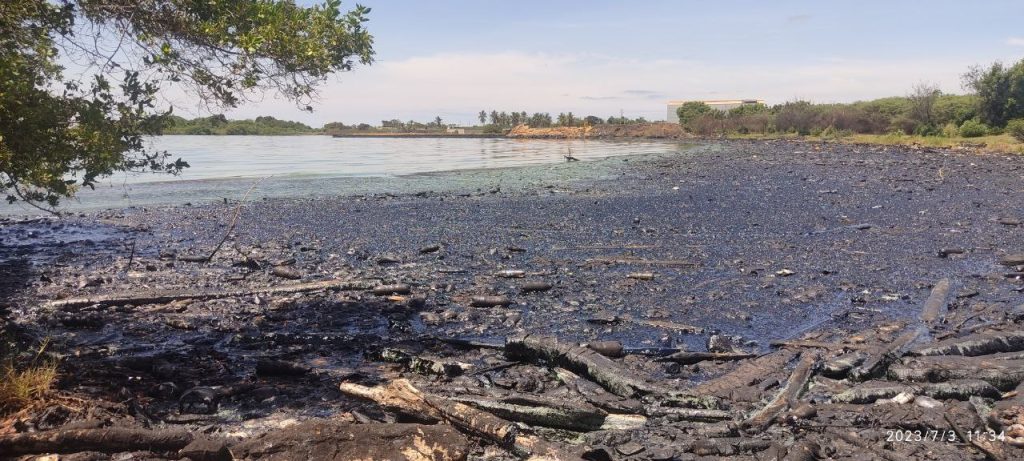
[(79, 79)]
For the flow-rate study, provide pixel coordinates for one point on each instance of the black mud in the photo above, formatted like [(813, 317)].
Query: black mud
[(755, 241)]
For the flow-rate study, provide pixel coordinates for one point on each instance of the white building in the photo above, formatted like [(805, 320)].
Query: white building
[(723, 105)]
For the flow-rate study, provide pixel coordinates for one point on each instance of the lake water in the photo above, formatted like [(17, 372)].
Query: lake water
[(298, 166)]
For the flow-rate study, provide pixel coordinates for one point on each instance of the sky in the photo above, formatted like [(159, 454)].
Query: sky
[(454, 58)]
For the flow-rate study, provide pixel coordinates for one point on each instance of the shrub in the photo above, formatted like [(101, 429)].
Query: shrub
[(950, 130), (797, 116), (691, 110), (973, 129), (1016, 128)]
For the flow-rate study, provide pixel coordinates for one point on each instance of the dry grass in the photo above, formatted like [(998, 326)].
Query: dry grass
[(21, 386), (1003, 143)]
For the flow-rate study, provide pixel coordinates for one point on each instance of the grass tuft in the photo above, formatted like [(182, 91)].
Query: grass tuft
[(21, 386)]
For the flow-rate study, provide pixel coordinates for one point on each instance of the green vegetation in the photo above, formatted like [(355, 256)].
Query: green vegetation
[(59, 134), (1015, 128), (219, 125), (690, 111), (973, 129), (924, 113), (23, 380)]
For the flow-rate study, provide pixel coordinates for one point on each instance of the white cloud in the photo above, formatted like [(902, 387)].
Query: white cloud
[(457, 86), (1015, 41)]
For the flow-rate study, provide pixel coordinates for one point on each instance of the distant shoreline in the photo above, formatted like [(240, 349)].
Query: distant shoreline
[(417, 135)]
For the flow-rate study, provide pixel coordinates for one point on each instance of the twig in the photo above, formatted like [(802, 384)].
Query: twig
[(131, 257), (234, 219)]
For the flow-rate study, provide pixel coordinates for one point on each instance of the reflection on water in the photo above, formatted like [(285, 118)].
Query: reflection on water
[(321, 166)]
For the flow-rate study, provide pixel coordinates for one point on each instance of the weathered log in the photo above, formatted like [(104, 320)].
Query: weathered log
[(688, 358), (166, 296), (400, 395), (612, 349), (802, 343), (984, 343), (935, 305), (958, 389), (1003, 374), (489, 301), (398, 289), (580, 417), (787, 396), (531, 287), (690, 414), (879, 360), (580, 360), (597, 395), (839, 367), (747, 374), (107, 440), (1016, 259), (320, 440), (287, 272)]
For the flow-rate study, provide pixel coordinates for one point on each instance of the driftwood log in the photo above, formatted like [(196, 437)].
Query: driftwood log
[(878, 360), (1003, 374), (581, 360), (166, 296), (688, 358), (400, 395), (984, 343), (935, 305), (787, 397), (110, 440)]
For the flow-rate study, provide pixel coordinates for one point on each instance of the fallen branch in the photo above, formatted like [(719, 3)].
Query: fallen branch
[(578, 359), (234, 219), (878, 362), (747, 374), (688, 358), (166, 296), (787, 396), (959, 389), (108, 440), (978, 344), (400, 395), (548, 414), (815, 344), (1003, 374)]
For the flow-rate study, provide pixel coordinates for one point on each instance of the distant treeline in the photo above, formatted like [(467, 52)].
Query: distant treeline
[(220, 125), (996, 106), (497, 122)]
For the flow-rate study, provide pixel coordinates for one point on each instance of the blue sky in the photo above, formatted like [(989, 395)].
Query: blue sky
[(453, 58)]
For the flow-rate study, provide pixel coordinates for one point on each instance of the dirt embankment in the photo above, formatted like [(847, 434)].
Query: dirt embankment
[(657, 130)]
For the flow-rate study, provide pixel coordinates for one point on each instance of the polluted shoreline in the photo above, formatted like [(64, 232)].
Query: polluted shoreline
[(760, 300)]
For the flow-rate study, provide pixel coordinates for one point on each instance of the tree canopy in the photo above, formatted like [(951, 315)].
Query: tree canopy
[(79, 79), (1000, 91)]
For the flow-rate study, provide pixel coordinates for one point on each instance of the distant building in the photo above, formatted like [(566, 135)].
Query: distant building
[(723, 105)]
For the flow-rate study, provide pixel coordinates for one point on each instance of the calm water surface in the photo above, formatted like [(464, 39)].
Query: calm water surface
[(216, 157), (301, 166)]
